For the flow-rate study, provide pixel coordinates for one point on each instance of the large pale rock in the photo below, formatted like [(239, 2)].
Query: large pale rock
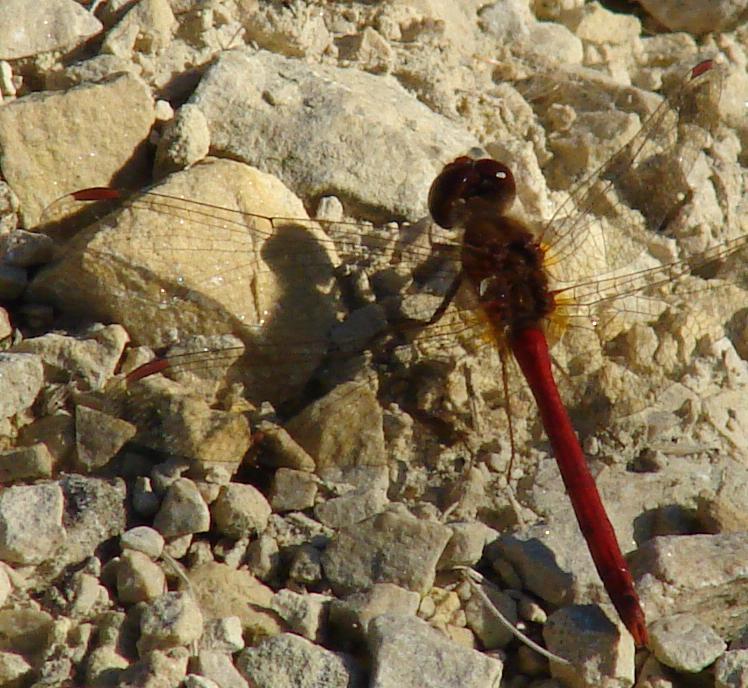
[(114, 117), (166, 267)]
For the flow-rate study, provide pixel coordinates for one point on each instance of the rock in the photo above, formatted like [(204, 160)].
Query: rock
[(483, 622), (182, 511), (684, 643), (163, 255), (240, 510), (195, 681), (99, 436), (222, 635), (156, 669), (14, 670), (172, 620), (288, 661), (388, 548), (219, 667), (292, 490), (306, 566), (354, 506), (305, 614), (731, 669), (411, 136), (24, 249), (283, 450), (714, 591), (693, 17), (143, 539), (185, 141), (341, 431), (56, 432), (139, 579), (407, 653), (39, 176), (94, 512), (262, 557), (86, 596), (222, 591), (26, 463), (144, 500), (352, 615), (29, 29), (596, 24), (146, 28), (91, 357), (22, 376), (13, 282), (24, 630), (601, 652), (31, 527), (465, 547), (5, 586)]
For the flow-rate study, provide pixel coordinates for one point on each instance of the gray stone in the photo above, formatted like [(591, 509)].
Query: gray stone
[(352, 507), (465, 547), (31, 527), (408, 653), (292, 490), (388, 548), (139, 578), (222, 635), (694, 17), (25, 249), (99, 436), (601, 653), (240, 510), (172, 620), (684, 643), (14, 670), (483, 622), (26, 463), (22, 376), (143, 539), (305, 614), (182, 511), (731, 669), (28, 29), (289, 661)]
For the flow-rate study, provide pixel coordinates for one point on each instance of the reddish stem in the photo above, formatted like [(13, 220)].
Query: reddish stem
[(531, 351)]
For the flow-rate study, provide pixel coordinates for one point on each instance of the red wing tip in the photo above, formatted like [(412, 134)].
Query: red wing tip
[(701, 68), (157, 365), (96, 193)]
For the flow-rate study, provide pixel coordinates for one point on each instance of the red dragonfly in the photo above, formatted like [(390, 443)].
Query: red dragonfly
[(521, 285)]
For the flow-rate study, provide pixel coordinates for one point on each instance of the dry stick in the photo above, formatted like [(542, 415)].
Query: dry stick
[(475, 580)]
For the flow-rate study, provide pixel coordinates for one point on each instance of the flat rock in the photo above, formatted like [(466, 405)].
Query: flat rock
[(116, 113), (22, 376), (31, 523), (407, 653), (684, 643), (30, 28), (600, 651), (381, 146), (219, 667), (695, 17), (183, 511), (139, 578), (240, 510), (292, 490), (703, 575), (387, 548), (204, 262), (99, 436), (171, 620), (289, 661), (26, 463)]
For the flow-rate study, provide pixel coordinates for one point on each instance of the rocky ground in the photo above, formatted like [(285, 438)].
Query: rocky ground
[(296, 506)]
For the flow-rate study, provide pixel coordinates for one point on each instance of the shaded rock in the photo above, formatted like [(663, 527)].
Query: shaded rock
[(92, 357), (24, 630), (351, 616), (292, 490), (172, 620), (354, 506), (40, 174), (305, 614), (26, 463), (694, 17), (222, 591), (99, 436), (731, 669), (388, 548), (222, 635), (56, 432), (408, 652), (183, 510), (25, 249), (200, 266), (289, 661), (600, 651), (31, 527), (684, 643), (283, 450), (240, 510), (341, 431), (31, 28), (483, 623), (22, 376), (465, 547), (146, 28), (14, 670)]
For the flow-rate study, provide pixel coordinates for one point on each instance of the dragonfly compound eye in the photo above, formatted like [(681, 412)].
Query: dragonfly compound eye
[(469, 188)]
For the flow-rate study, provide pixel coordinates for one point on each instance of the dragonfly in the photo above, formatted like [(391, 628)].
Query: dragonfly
[(518, 289)]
